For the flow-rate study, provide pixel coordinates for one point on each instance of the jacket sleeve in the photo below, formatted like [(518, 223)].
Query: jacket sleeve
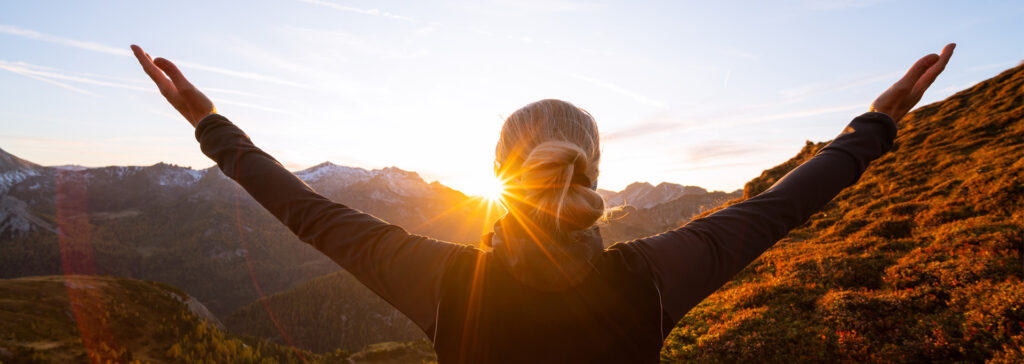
[(692, 262), (402, 268)]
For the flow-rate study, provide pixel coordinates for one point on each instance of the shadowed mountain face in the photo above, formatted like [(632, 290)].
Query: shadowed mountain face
[(919, 261), (658, 209)]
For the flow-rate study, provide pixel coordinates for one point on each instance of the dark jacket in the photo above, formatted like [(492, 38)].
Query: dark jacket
[(475, 309)]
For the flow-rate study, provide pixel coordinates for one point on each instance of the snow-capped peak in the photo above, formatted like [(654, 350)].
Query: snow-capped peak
[(334, 172)]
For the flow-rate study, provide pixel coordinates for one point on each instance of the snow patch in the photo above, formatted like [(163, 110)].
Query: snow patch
[(338, 174), (71, 167), (9, 178)]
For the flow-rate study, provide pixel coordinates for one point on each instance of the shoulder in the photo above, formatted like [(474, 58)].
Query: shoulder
[(627, 257), (465, 259)]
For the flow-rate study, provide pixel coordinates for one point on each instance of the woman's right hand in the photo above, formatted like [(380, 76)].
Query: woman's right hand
[(187, 99), (905, 93)]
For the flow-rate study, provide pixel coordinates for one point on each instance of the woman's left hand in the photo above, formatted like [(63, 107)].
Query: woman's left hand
[(191, 103)]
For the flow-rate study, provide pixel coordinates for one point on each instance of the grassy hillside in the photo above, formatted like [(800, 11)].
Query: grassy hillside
[(920, 261)]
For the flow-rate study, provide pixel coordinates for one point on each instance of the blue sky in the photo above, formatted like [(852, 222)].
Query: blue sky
[(697, 93)]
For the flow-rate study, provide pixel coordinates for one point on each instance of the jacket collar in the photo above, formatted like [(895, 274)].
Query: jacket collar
[(539, 259)]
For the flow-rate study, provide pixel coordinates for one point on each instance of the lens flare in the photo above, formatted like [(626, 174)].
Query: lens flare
[(494, 191)]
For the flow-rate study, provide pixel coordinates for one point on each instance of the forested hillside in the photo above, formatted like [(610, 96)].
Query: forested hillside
[(327, 313), (61, 319), (101, 319), (920, 261)]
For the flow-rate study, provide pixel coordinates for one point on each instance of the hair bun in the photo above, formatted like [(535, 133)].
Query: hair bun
[(552, 177)]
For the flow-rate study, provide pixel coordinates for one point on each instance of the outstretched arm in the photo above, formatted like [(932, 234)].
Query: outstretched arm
[(692, 262), (404, 269)]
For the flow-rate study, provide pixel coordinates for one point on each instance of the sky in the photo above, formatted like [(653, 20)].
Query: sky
[(705, 93)]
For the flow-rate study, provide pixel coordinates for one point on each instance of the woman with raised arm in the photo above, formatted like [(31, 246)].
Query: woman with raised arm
[(547, 291)]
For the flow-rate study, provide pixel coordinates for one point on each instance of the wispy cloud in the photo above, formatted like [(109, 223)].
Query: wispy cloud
[(618, 89), (234, 92), (221, 100), (714, 166), (556, 6), (804, 113), (522, 7), (89, 46), (888, 77), (24, 71), (339, 43), (727, 119), (717, 150), (51, 76), (239, 74), (124, 52), (65, 77), (738, 118), (801, 92), (661, 122), (374, 12), (838, 4), (640, 130)]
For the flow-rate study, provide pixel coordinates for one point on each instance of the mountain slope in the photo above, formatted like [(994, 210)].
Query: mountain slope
[(627, 222), (919, 261), (82, 319), (64, 319)]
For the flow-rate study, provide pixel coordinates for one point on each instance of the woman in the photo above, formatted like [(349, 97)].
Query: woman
[(547, 291)]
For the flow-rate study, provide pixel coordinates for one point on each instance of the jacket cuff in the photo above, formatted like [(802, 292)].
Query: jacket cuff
[(205, 125), (883, 125), (864, 139)]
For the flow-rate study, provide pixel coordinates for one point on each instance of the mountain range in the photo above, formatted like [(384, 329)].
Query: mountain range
[(197, 230)]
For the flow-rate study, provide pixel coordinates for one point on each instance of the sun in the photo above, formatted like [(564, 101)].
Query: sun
[(493, 190), (488, 188)]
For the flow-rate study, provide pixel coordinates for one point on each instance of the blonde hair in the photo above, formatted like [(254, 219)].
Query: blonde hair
[(547, 157)]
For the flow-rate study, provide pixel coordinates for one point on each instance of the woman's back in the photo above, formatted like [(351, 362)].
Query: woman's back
[(477, 308), (487, 315)]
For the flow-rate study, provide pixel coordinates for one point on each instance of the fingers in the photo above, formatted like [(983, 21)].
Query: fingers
[(172, 71), (933, 72), (906, 84), (154, 73)]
